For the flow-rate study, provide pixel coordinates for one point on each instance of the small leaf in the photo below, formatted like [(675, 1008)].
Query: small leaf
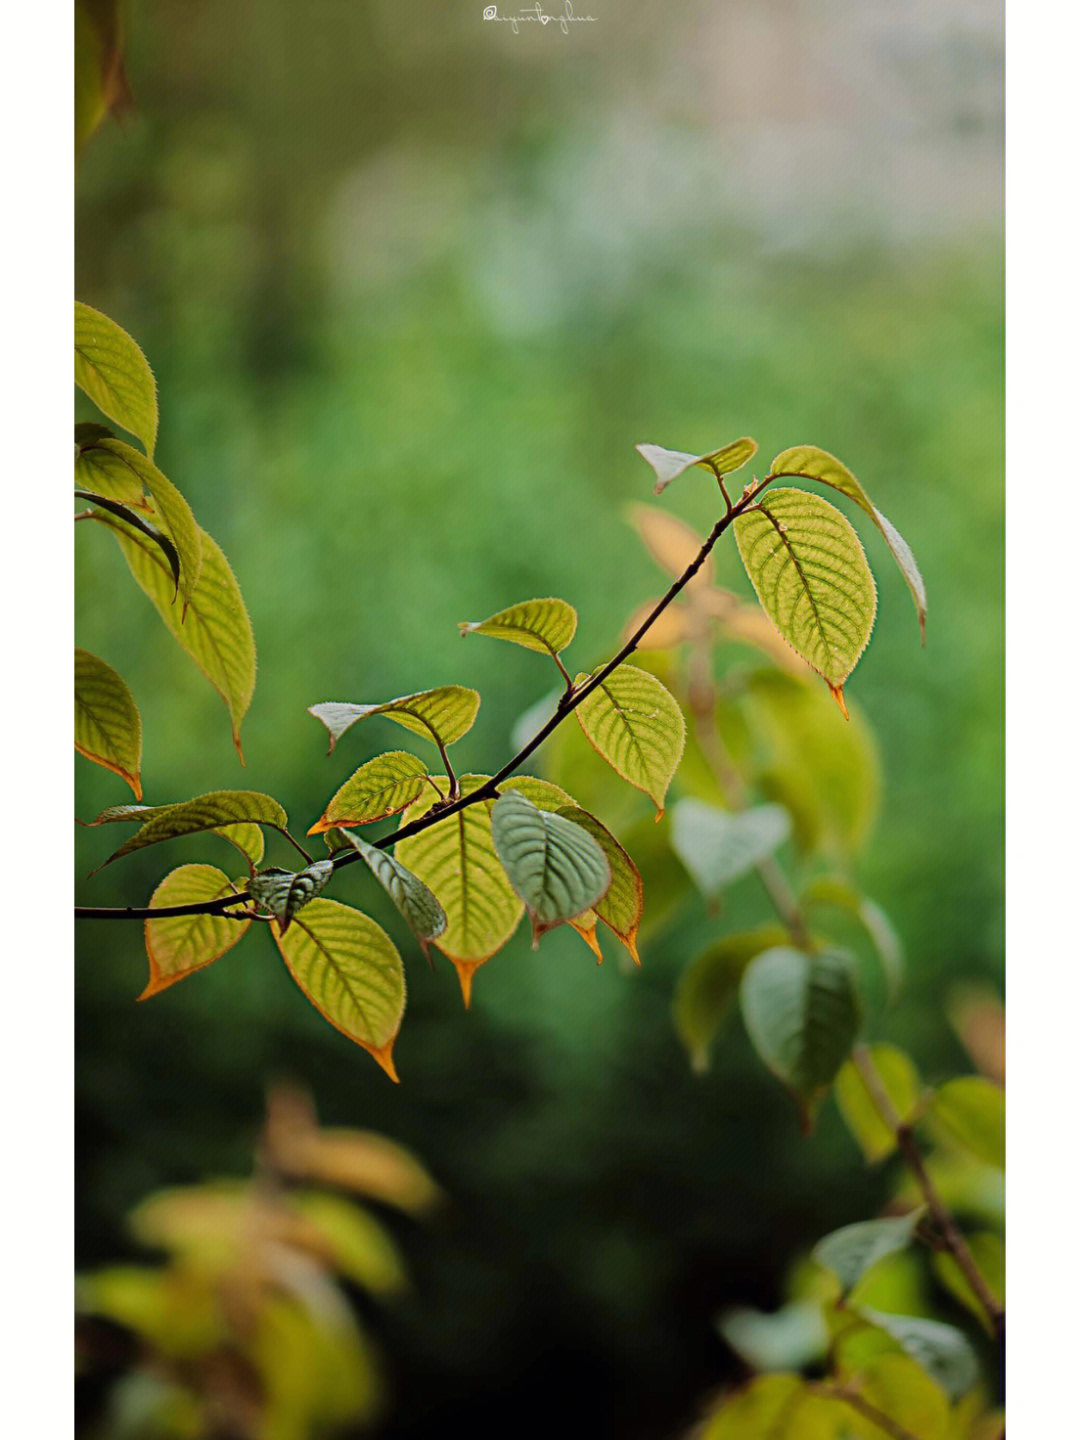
[(215, 631), (786, 1339), (108, 729), (709, 985), (670, 464), (941, 1350), (802, 1015), (621, 907), (810, 463), (419, 908), (851, 1251), (901, 1081), (381, 787), (350, 971), (178, 945), (284, 892), (637, 726), (555, 866), (441, 715), (547, 626), (808, 569), (113, 371), (205, 812), (970, 1111), (831, 890), (719, 846), (671, 543)]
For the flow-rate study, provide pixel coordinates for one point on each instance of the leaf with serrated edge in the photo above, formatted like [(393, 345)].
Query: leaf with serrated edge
[(718, 846), (380, 787), (418, 907), (555, 866), (851, 1251), (900, 1079), (941, 1350), (444, 714), (97, 470), (109, 459), (621, 907), (809, 463), (284, 892), (709, 986), (802, 1014), (178, 945), (350, 970), (204, 812), (636, 725), (114, 372), (809, 571), (108, 729), (244, 836), (215, 631), (546, 626), (670, 464)]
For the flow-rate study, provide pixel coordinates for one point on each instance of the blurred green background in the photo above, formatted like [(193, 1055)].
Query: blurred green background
[(413, 287)]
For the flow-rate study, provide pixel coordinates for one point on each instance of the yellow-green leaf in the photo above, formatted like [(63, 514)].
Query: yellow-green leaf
[(108, 729), (670, 464), (970, 1112), (547, 626), (361, 1249), (213, 628), (621, 907), (380, 787), (350, 970), (246, 836), (775, 1407), (709, 985), (988, 1252), (898, 1387), (941, 1350), (810, 463), (442, 715), (901, 1082), (555, 866), (113, 371), (178, 945), (809, 571), (107, 462), (284, 892), (637, 726), (204, 812), (96, 470), (418, 907)]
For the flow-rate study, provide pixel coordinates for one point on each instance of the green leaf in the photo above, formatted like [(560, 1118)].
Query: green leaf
[(246, 837), (456, 860), (204, 812), (109, 462), (555, 866), (802, 1015), (420, 910), (215, 630), (178, 945), (720, 846), (900, 1078), (547, 626), (808, 569), (970, 1111), (96, 470), (709, 985), (637, 726), (776, 1407), (284, 892), (941, 1350), (138, 522), (113, 371), (108, 729), (381, 787), (350, 971), (851, 1251), (899, 1388), (361, 1249), (810, 463), (621, 907), (442, 715), (670, 464), (988, 1252), (831, 890)]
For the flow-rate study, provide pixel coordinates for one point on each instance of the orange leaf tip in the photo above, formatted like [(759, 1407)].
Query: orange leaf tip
[(837, 692), (466, 969), (384, 1057)]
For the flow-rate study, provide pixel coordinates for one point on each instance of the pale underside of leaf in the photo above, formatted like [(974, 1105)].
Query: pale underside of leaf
[(350, 970), (670, 464), (178, 945), (205, 812), (809, 571), (284, 892), (637, 726), (808, 462), (851, 1251), (112, 370), (108, 729), (546, 626), (718, 847), (555, 866), (442, 715), (213, 629), (381, 787), (416, 904)]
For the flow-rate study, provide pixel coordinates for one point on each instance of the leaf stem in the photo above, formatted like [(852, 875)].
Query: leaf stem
[(866, 1409), (294, 843)]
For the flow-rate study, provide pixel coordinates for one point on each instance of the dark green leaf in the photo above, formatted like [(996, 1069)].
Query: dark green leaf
[(709, 986), (555, 866)]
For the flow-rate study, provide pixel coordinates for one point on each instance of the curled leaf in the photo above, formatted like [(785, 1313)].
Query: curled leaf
[(285, 892), (205, 812), (621, 907), (419, 908), (670, 464), (441, 715)]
